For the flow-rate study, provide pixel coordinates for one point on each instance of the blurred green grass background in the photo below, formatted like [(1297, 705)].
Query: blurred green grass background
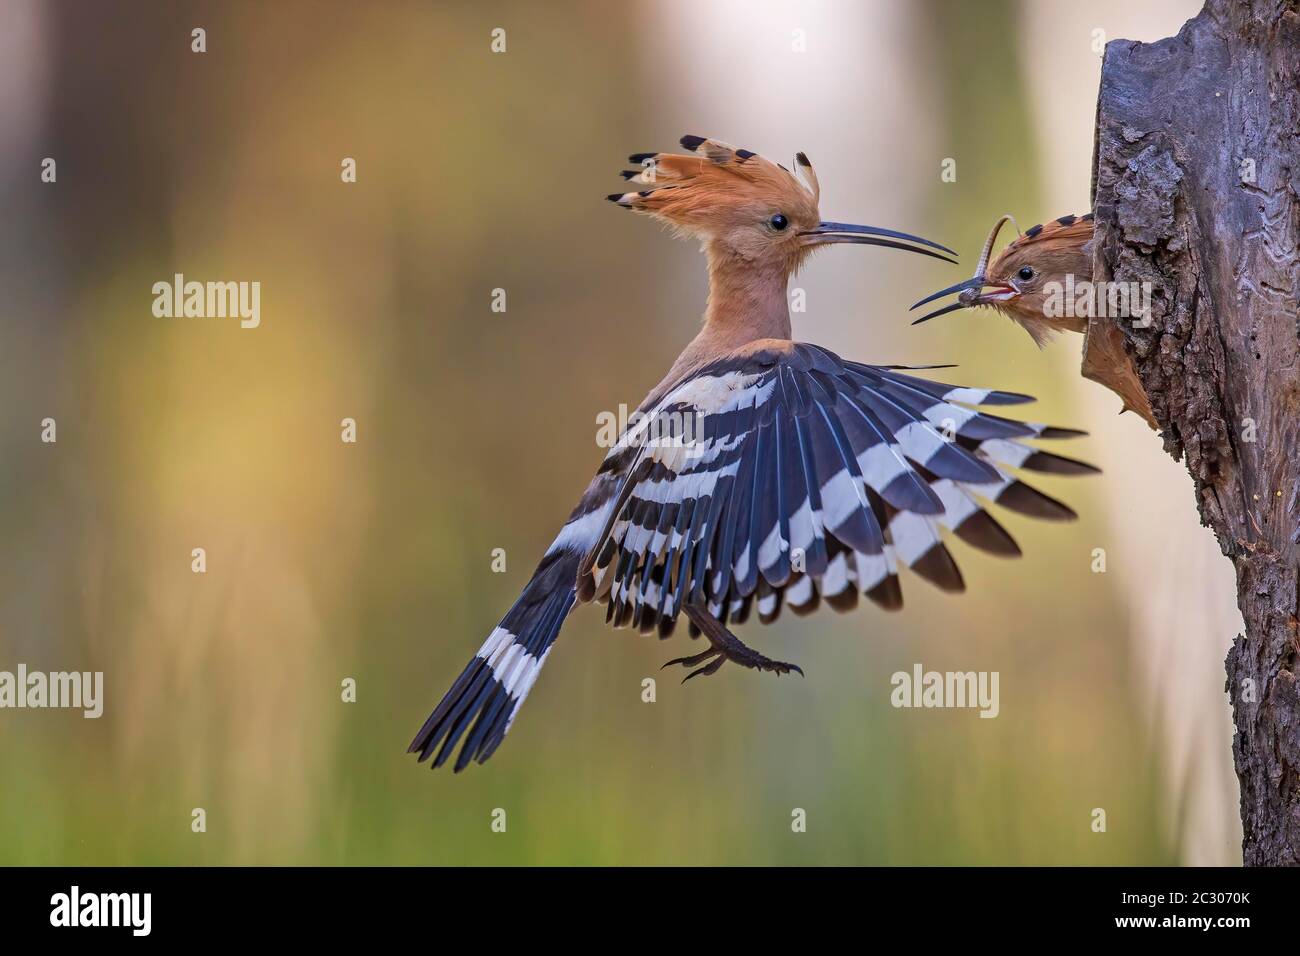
[(373, 561)]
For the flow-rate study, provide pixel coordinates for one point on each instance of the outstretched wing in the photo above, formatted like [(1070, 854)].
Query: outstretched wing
[(784, 474)]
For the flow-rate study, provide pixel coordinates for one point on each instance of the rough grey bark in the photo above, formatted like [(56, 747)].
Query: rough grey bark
[(1197, 191)]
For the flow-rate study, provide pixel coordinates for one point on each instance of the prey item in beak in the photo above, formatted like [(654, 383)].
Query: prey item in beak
[(828, 233), (976, 290)]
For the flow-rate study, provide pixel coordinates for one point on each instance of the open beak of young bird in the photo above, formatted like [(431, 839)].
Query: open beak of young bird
[(828, 233), (977, 290)]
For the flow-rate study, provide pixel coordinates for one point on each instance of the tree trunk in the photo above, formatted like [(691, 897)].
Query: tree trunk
[(1197, 192)]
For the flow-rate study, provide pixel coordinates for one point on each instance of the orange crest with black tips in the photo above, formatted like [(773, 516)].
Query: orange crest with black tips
[(752, 206)]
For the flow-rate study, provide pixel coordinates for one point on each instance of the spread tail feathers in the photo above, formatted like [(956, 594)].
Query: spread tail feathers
[(491, 689)]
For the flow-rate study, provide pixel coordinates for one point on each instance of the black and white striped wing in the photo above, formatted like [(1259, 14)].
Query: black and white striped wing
[(805, 477)]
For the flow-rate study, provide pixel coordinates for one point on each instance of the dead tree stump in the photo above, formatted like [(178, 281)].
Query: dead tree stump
[(1197, 192)]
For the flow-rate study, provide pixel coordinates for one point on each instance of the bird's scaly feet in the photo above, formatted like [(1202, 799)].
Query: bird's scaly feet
[(725, 646)]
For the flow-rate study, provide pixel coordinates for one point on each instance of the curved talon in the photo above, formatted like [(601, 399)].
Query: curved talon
[(725, 646), (707, 669), (776, 667), (690, 661)]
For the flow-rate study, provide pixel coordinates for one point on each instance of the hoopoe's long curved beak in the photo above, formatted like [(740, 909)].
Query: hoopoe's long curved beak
[(828, 233), (976, 290)]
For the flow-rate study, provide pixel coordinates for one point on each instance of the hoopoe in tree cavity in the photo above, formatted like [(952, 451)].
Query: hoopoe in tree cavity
[(1032, 270), (809, 477)]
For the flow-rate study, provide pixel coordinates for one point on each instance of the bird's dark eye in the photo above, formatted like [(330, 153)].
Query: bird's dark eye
[(778, 222), (1026, 273)]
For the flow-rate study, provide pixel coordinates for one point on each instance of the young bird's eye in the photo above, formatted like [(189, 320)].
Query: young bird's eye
[(1026, 273), (778, 222)]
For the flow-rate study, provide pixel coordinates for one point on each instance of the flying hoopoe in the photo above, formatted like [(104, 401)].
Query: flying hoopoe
[(806, 477), (1039, 269)]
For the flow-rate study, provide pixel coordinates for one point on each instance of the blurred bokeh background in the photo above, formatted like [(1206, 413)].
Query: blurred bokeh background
[(476, 430)]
